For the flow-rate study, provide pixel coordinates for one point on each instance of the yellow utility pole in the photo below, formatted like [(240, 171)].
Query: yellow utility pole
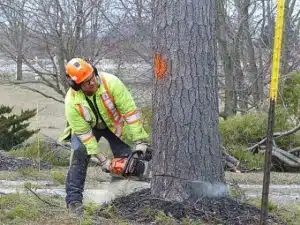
[(271, 116)]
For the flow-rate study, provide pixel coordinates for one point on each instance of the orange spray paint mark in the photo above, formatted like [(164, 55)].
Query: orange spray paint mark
[(160, 67)]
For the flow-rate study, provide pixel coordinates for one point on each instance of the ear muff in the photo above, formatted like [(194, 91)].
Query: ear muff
[(77, 87), (95, 71), (97, 75), (72, 84)]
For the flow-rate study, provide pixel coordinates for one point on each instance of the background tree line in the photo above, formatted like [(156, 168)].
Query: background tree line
[(36, 31), (43, 35)]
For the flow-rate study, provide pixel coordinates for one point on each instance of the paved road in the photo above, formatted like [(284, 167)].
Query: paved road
[(106, 191), (281, 194)]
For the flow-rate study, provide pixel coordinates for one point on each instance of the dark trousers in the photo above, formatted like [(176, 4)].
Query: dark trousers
[(78, 168)]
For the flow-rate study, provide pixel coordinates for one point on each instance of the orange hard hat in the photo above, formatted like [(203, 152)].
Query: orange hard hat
[(78, 70)]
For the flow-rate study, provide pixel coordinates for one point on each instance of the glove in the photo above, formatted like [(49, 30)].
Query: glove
[(141, 146), (105, 165), (144, 147)]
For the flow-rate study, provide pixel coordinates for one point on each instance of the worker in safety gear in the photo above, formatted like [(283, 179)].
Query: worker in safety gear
[(97, 105)]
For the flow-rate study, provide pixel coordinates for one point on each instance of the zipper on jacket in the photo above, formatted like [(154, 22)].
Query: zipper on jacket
[(95, 109)]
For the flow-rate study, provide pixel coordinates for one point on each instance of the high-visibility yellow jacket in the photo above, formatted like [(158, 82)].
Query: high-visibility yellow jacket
[(116, 107)]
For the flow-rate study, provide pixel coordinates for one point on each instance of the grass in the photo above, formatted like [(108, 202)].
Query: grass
[(257, 178), (162, 219), (288, 213), (30, 173), (59, 177), (42, 152), (22, 209), (26, 209), (95, 175), (245, 157)]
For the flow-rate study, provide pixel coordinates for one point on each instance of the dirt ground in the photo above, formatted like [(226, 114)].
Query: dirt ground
[(50, 119), (141, 206)]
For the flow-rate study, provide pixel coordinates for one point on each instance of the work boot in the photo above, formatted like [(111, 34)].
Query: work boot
[(76, 208)]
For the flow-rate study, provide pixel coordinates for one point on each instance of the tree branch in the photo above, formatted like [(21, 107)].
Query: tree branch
[(286, 157), (41, 93), (286, 133), (297, 149), (23, 82), (43, 200), (276, 135)]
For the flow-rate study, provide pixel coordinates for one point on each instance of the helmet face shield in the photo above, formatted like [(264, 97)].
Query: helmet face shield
[(78, 70)]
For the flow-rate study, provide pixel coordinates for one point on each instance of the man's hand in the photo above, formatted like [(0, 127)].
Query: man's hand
[(144, 147), (105, 165), (141, 146), (104, 162)]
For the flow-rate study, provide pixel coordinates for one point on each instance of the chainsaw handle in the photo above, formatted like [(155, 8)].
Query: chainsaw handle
[(148, 155), (138, 152)]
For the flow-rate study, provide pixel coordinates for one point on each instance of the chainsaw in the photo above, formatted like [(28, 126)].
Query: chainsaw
[(133, 165)]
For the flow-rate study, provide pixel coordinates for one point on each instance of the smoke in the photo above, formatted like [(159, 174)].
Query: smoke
[(200, 189)]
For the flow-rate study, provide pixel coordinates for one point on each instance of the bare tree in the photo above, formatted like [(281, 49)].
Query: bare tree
[(42, 35), (131, 27), (250, 62), (185, 101), (130, 33), (289, 35), (56, 31), (245, 46), (64, 28), (14, 28), (226, 57)]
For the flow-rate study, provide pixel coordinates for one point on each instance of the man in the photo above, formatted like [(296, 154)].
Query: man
[(97, 105)]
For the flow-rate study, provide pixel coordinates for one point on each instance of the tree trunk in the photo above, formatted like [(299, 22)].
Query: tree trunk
[(287, 36), (227, 61), (185, 99), (19, 75), (241, 89), (285, 49), (78, 28), (241, 92), (60, 60), (250, 60)]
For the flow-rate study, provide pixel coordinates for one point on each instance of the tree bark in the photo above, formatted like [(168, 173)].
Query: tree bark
[(250, 60), (19, 75), (185, 98), (287, 41), (227, 61), (78, 28), (241, 92)]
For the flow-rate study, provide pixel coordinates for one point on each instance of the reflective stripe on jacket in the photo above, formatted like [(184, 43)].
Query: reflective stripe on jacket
[(117, 109)]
